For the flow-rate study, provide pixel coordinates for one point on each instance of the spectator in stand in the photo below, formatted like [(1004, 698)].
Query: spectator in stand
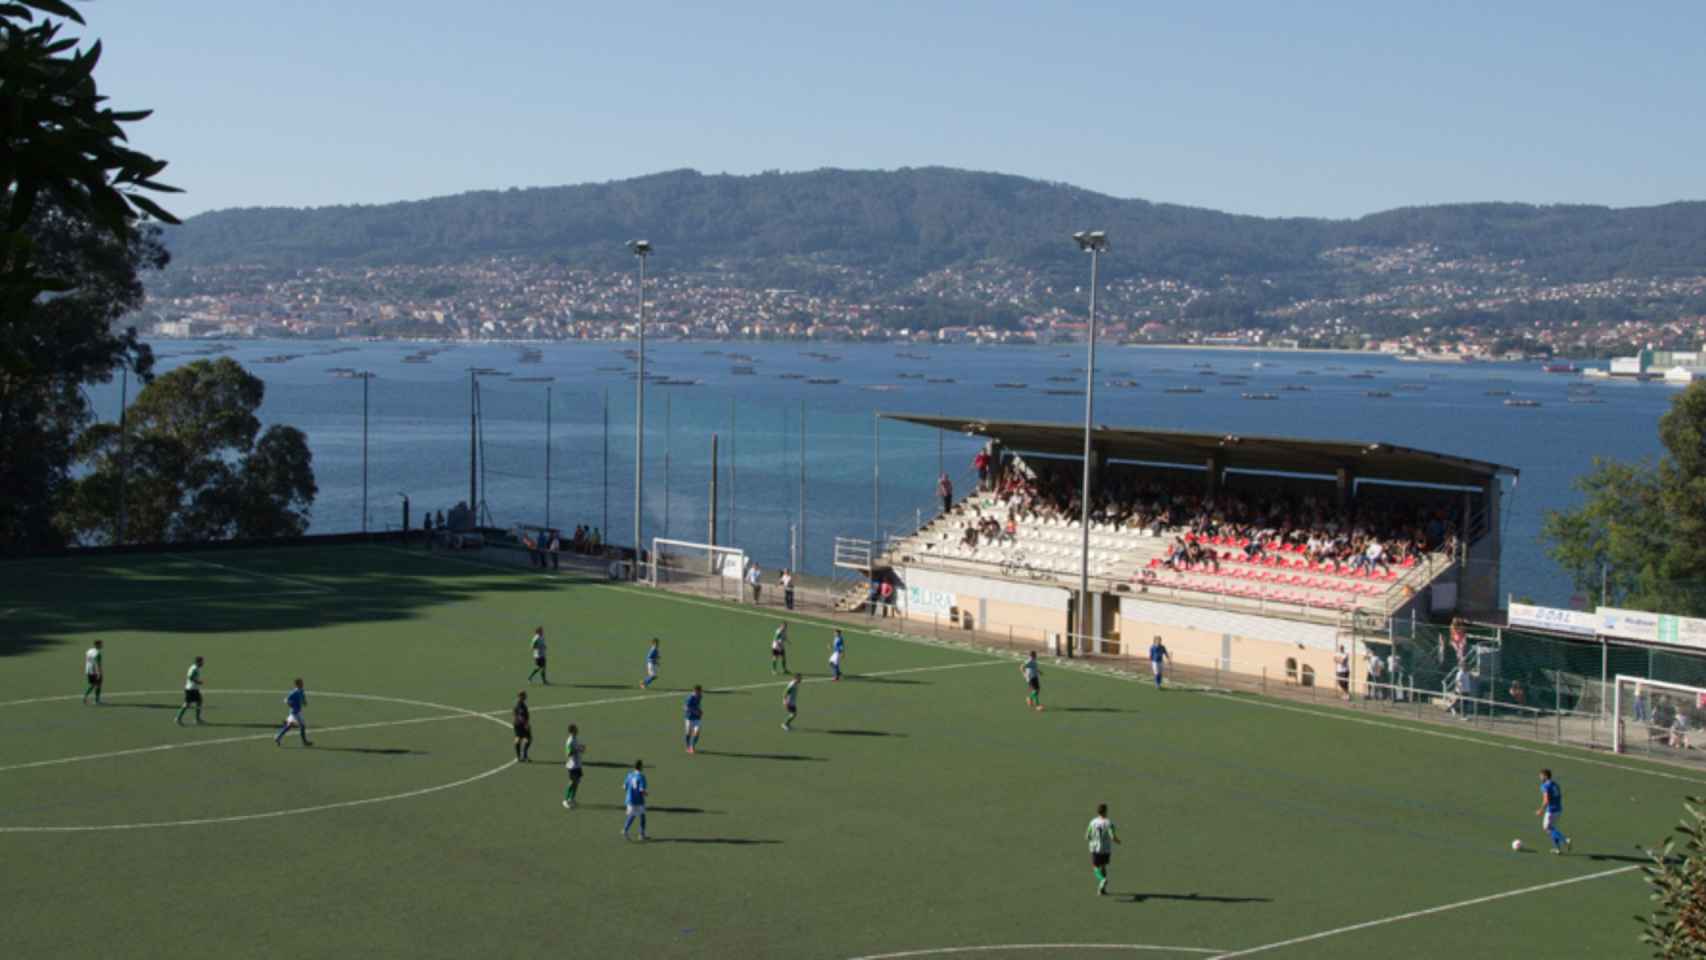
[(1376, 676), (1519, 695), (873, 598), (1394, 670), (787, 581), (1010, 533), (556, 549), (981, 463), (888, 599), (945, 490), (1342, 672), (754, 579)]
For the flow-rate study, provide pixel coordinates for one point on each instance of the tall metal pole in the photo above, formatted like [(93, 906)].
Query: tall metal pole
[(123, 452), (605, 464), (1095, 243), (473, 451), (666, 406), (732, 406), (802, 552), (876, 484), (366, 378), (547, 455), (641, 250)]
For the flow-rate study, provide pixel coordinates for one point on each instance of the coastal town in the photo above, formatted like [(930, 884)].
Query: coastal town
[(1409, 301)]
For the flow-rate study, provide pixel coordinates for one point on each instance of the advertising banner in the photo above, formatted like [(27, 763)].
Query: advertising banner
[(1579, 622), (1629, 624)]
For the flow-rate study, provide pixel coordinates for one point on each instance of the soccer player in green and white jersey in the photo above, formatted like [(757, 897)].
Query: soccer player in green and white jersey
[(192, 692), (538, 645), (92, 673), (572, 749), (779, 649), (1102, 837), (791, 701), (1034, 680)]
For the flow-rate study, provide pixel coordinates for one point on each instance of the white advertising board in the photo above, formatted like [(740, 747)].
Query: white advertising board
[(1579, 622)]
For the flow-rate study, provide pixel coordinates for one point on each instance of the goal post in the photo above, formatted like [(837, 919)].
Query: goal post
[(1654, 716), (708, 568)]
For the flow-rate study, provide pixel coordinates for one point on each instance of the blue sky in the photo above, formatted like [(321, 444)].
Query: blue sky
[(1319, 109)]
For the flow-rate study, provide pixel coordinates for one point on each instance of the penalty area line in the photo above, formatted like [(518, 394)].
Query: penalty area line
[(990, 948), (1367, 924)]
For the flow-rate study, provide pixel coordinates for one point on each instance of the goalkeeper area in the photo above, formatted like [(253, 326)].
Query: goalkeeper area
[(1655, 718), (702, 568), (918, 808)]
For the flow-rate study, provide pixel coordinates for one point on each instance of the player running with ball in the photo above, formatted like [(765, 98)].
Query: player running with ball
[(1551, 811)]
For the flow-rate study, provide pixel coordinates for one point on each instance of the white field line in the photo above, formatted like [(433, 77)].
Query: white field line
[(453, 713), (989, 948), (1495, 744), (1278, 944), (1076, 666), (270, 814), (257, 574)]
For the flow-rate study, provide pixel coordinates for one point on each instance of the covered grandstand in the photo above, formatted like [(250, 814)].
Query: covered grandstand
[(1246, 549)]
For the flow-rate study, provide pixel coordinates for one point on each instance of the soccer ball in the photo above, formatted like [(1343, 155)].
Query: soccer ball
[(1516, 845)]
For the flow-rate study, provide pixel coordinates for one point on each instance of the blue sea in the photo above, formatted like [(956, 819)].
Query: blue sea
[(864, 475)]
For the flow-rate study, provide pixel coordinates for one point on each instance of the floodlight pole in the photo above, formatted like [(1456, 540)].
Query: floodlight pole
[(1092, 242), (641, 250), (366, 378)]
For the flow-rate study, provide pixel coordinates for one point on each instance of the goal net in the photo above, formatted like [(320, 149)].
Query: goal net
[(703, 568), (1655, 717)]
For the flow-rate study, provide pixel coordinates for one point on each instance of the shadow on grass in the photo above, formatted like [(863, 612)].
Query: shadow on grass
[(649, 809), (898, 681), (1091, 710), (600, 686), (863, 733), (724, 841), (47, 601), (1187, 898), (760, 756), (239, 726), (141, 706), (374, 751)]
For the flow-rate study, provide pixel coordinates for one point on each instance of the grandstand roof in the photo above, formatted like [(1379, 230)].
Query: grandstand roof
[(1365, 460)]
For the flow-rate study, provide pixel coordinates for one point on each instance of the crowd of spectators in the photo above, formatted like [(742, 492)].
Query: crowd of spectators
[(1371, 533)]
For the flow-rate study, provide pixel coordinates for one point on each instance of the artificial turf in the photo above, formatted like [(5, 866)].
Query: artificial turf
[(918, 804)]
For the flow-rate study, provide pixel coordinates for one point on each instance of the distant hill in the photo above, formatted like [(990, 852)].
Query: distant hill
[(908, 222)]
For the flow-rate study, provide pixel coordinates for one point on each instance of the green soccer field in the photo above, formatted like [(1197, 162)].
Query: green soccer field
[(918, 808)]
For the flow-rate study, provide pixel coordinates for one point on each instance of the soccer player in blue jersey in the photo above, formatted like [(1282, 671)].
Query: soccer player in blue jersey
[(791, 701), (779, 649), (693, 714), (1551, 811), (652, 656), (634, 793), (837, 649), (1158, 653), (295, 700)]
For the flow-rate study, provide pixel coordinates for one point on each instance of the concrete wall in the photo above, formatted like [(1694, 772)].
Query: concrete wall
[(1239, 642)]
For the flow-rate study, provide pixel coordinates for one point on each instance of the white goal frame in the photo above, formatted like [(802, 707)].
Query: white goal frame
[(724, 573), (1696, 696)]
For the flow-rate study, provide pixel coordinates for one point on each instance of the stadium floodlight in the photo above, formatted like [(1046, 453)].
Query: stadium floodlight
[(1093, 242), (641, 249)]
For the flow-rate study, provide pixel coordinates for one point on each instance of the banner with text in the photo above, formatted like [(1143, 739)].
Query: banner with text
[(1579, 622)]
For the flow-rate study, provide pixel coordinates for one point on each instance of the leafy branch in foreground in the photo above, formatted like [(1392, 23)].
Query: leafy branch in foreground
[(1676, 929)]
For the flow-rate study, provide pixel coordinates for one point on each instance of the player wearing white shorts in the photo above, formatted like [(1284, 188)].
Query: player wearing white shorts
[(92, 673), (295, 700)]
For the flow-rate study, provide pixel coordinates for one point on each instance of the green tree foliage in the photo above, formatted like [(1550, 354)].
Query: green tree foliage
[(73, 236), (1644, 524), (59, 143), (193, 464), (1676, 929)]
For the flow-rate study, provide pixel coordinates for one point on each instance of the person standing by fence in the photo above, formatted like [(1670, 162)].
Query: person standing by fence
[(945, 490)]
